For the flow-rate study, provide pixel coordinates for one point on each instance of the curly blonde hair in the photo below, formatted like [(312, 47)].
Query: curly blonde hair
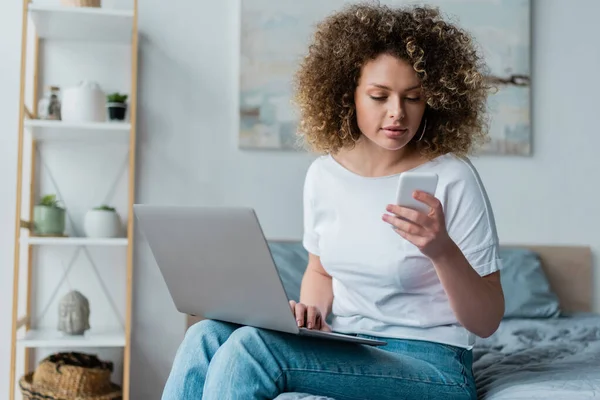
[(444, 57)]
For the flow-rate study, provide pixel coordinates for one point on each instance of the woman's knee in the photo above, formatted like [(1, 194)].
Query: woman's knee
[(245, 349), (211, 326), (250, 339), (246, 334), (207, 328)]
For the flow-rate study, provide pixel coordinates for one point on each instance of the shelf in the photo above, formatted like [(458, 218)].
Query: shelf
[(82, 23), (108, 132), (73, 241), (54, 338)]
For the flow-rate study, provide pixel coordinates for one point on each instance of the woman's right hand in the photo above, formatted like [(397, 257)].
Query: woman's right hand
[(309, 317)]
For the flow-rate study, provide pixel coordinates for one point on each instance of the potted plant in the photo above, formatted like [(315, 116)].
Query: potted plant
[(48, 217), (102, 222), (116, 106)]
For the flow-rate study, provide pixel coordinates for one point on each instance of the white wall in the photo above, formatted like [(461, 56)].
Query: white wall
[(10, 27), (188, 155)]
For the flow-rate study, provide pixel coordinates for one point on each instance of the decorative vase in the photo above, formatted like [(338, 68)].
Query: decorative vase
[(48, 221), (74, 314), (102, 224), (49, 105), (83, 103), (116, 111)]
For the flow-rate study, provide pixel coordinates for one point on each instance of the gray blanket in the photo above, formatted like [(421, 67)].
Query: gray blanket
[(540, 359), (533, 359)]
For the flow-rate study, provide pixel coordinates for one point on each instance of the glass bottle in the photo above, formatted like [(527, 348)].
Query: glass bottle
[(49, 104)]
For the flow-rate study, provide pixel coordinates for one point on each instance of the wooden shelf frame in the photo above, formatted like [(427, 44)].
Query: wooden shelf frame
[(22, 334)]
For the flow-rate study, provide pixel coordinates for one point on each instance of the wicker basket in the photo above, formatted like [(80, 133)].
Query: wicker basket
[(80, 3), (70, 376)]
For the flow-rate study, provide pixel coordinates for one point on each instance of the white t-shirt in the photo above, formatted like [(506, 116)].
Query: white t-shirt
[(382, 284)]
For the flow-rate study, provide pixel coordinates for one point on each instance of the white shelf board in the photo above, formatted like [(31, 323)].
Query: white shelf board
[(82, 23), (73, 241), (54, 338), (49, 130)]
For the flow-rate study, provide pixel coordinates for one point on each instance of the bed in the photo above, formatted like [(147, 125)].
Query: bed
[(547, 347)]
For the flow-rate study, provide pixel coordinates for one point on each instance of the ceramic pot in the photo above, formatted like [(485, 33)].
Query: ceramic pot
[(102, 224), (83, 103), (116, 111), (48, 221)]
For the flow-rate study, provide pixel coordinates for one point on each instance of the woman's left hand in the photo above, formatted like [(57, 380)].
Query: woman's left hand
[(426, 231)]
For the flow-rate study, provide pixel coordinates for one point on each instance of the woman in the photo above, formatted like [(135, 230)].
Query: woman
[(382, 91)]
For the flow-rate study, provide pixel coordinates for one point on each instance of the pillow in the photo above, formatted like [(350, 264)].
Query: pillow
[(527, 292)]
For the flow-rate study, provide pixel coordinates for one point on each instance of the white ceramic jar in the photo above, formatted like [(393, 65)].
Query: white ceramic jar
[(84, 102), (102, 224)]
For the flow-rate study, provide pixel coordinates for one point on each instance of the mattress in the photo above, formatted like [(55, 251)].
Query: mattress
[(556, 358)]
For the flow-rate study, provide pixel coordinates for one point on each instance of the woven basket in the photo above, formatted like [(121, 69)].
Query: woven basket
[(80, 3), (75, 376)]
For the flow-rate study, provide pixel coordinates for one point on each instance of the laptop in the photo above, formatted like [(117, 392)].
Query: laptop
[(217, 264)]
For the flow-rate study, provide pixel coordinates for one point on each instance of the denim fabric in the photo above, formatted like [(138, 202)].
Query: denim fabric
[(218, 360)]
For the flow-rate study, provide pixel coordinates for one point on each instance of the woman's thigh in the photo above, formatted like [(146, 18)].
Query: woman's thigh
[(406, 370), (401, 370)]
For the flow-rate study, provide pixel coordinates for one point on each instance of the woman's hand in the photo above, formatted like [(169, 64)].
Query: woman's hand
[(309, 317), (426, 231)]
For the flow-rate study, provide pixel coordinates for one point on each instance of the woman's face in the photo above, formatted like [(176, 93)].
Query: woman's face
[(389, 102)]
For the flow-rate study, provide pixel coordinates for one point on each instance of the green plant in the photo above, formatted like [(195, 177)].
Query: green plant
[(116, 98), (104, 207), (49, 200)]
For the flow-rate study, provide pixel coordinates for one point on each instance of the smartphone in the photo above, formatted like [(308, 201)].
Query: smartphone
[(411, 181)]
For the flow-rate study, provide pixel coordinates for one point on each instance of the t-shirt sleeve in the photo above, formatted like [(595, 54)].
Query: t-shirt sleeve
[(470, 222), (310, 238)]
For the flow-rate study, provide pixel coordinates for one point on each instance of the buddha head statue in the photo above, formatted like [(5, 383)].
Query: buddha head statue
[(74, 313)]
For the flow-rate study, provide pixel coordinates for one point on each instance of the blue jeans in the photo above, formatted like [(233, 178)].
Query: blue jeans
[(218, 360)]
